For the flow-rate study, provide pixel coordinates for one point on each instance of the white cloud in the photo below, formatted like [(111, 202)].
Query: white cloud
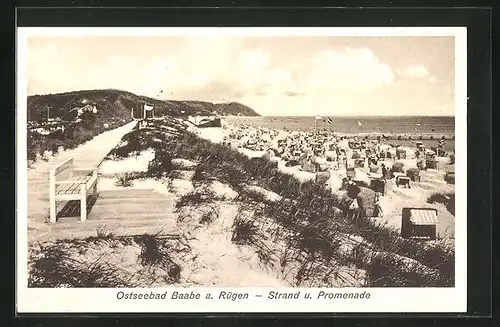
[(417, 71), (196, 80), (350, 68), (201, 65), (254, 59), (297, 77), (277, 75)]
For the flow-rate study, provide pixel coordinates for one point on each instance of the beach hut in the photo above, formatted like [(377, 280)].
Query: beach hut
[(413, 174), (400, 154), (375, 169), (307, 163), (449, 177), (431, 163), (419, 223), (367, 201), (378, 185), (397, 167)]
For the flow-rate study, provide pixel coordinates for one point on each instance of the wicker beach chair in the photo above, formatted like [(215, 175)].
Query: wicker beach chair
[(414, 174)]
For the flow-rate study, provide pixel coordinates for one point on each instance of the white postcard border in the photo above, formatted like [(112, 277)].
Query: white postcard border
[(381, 300)]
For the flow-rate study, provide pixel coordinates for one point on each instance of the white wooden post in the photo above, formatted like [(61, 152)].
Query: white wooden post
[(83, 202), (52, 196)]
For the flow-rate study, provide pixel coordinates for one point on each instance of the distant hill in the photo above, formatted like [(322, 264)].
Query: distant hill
[(116, 103)]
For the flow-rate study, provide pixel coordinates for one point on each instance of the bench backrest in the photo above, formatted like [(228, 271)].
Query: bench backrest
[(63, 169)]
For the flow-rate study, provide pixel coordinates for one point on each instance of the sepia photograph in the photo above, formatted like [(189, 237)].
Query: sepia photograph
[(242, 160)]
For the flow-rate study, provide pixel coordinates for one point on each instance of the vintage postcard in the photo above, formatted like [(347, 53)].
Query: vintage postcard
[(241, 170)]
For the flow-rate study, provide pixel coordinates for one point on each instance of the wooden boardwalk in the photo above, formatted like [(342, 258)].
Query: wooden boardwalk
[(123, 211), (89, 154)]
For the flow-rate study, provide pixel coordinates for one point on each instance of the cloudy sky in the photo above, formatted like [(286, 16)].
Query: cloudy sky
[(275, 75)]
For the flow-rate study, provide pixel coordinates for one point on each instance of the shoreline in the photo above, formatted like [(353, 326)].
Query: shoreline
[(322, 128)]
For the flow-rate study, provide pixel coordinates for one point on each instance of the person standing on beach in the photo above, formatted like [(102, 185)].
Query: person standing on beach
[(378, 209), (384, 172)]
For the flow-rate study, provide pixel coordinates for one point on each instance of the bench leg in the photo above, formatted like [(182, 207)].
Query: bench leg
[(83, 203), (52, 197), (52, 209), (95, 175)]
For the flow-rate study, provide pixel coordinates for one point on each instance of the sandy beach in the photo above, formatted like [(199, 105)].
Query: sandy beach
[(431, 180)]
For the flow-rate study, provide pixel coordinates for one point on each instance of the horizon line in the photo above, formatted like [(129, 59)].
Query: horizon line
[(235, 101)]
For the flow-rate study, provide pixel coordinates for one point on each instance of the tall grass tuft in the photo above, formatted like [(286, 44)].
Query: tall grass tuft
[(154, 254), (124, 180), (195, 198), (56, 268), (103, 233), (244, 231), (161, 164), (202, 201)]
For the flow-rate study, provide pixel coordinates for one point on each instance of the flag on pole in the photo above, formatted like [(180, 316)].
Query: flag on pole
[(359, 123), (329, 120)]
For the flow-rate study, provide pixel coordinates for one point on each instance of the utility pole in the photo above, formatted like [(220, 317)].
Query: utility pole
[(48, 113)]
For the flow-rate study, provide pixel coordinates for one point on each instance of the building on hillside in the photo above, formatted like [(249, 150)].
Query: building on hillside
[(149, 111), (146, 111)]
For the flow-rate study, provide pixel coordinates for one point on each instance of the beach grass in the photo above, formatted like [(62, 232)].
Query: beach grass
[(64, 263), (56, 268), (448, 199), (317, 217), (124, 180)]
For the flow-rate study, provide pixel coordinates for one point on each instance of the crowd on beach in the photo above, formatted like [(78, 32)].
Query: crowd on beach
[(323, 151), (340, 161)]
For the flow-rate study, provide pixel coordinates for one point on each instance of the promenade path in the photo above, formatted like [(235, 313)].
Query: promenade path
[(89, 154)]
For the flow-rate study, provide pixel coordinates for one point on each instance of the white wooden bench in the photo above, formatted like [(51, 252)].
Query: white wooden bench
[(68, 183)]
